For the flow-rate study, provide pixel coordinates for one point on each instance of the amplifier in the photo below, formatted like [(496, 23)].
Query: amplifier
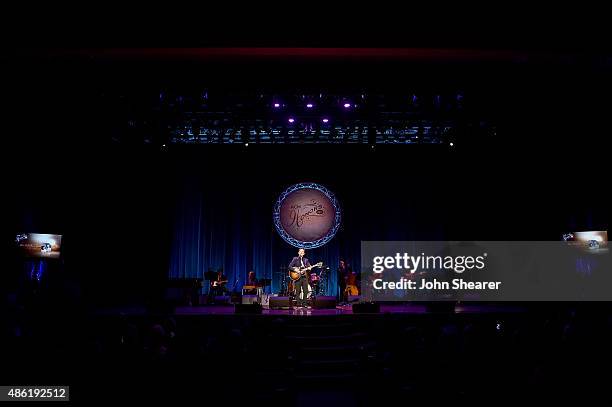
[(221, 299), (250, 299)]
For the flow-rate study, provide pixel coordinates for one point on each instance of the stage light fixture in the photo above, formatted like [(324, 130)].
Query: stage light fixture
[(309, 105), (451, 144), (277, 105), (325, 120), (347, 105), (291, 120)]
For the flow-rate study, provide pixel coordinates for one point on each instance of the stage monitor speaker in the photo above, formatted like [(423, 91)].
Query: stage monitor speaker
[(366, 308), (279, 303), (247, 308), (322, 302)]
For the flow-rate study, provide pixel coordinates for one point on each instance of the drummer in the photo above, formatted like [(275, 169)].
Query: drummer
[(313, 284), (314, 278)]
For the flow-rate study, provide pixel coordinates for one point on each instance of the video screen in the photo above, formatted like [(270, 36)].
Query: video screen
[(599, 236), (42, 245)]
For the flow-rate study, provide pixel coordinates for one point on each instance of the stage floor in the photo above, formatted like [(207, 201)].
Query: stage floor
[(347, 310)]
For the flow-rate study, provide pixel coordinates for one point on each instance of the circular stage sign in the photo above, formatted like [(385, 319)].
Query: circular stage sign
[(307, 215)]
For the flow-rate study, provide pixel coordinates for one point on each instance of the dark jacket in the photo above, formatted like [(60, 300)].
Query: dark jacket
[(295, 262)]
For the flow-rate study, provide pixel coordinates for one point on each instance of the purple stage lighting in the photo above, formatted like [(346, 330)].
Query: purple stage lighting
[(309, 105), (325, 120), (277, 105), (347, 105), (291, 120)]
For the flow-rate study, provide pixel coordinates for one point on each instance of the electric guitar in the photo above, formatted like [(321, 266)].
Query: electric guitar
[(296, 272), (218, 283)]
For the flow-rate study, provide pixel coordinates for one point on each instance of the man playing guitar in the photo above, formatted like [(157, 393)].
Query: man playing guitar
[(218, 286), (299, 267)]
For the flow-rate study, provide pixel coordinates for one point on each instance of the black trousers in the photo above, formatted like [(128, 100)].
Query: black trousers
[(342, 288), (301, 285)]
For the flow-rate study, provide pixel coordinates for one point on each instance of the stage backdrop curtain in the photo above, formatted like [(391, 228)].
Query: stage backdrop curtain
[(220, 226)]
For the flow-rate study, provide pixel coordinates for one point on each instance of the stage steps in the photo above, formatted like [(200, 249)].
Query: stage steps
[(323, 349)]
